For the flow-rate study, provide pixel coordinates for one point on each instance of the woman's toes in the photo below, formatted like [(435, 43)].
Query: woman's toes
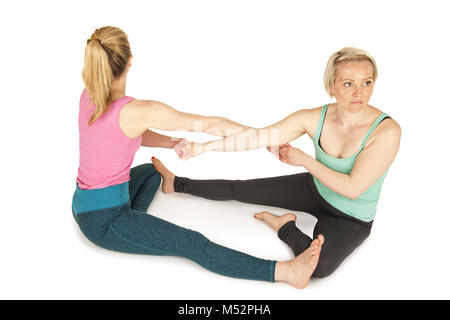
[(260, 215)]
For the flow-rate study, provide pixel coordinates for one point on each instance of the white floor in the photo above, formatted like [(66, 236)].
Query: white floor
[(46, 256), (253, 62)]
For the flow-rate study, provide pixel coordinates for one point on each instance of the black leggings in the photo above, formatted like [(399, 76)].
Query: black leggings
[(298, 192)]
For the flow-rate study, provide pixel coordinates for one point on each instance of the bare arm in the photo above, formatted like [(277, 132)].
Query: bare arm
[(154, 139), (373, 161), (157, 115), (284, 131)]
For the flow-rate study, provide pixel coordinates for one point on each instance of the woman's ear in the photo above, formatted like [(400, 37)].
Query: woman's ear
[(333, 89)]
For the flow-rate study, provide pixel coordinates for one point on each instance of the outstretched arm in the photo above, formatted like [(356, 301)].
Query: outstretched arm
[(282, 132), (154, 139), (158, 115)]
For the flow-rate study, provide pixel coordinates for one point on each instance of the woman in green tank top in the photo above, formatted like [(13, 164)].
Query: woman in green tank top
[(355, 143)]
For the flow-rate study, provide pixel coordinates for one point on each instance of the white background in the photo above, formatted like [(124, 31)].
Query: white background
[(254, 62)]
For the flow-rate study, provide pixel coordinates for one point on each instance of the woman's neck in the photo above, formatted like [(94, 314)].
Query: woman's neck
[(350, 119), (118, 88)]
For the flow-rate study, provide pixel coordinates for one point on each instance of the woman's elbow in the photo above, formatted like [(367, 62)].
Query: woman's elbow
[(225, 127), (214, 125), (353, 196), (354, 193)]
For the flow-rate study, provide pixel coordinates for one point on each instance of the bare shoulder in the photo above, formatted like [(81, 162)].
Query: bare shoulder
[(131, 113), (389, 127), (388, 124), (310, 119), (129, 119), (388, 131), (142, 104), (133, 108), (137, 116), (311, 111), (309, 114), (145, 110)]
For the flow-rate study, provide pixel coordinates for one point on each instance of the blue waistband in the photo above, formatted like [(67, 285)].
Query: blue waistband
[(97, 199)]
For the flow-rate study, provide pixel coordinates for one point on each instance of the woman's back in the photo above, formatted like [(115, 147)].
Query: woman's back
[(106, 153)]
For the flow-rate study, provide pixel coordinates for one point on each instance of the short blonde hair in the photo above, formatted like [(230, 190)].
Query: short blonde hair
[(105, 59), (344, 55)]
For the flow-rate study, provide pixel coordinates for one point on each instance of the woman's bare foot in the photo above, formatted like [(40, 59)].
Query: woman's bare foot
[(166, 174), (298, 271), (275, 222)]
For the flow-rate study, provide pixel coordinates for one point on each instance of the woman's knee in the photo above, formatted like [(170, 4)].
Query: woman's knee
[(147, 175), (194, 237), (146, 169), (193, 244), (154, 177)]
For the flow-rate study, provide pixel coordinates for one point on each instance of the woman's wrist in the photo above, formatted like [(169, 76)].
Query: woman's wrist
[(174, 141), (306, 161)]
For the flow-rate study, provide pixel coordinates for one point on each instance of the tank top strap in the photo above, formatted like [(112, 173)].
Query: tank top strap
[(374, 125), (320, 125), (118, 104)]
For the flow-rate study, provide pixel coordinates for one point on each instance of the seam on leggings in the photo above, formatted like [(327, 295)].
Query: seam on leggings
[(132, 242), (146, 193), (137, 192), (142, 197)]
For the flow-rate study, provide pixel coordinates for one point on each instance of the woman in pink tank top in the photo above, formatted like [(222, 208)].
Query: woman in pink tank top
[(111, 198)]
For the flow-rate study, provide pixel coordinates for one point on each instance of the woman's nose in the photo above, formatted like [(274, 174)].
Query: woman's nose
[(356, 91)]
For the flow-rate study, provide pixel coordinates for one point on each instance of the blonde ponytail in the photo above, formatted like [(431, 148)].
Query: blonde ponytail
[(106, 55)]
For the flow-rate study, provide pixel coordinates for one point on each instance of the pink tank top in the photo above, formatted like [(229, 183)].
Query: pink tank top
[(106, 153)]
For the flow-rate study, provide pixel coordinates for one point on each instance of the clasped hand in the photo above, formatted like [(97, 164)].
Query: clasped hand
[(186, 149), (285, 152), (288, 154)]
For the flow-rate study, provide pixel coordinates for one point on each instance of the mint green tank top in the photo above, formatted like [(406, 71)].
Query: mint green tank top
[(363, 207)]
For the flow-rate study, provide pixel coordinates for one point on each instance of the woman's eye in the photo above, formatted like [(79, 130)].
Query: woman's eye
[(368, 83), (347, 84)]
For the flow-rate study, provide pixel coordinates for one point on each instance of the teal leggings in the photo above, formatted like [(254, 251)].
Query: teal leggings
[(128, 228)]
